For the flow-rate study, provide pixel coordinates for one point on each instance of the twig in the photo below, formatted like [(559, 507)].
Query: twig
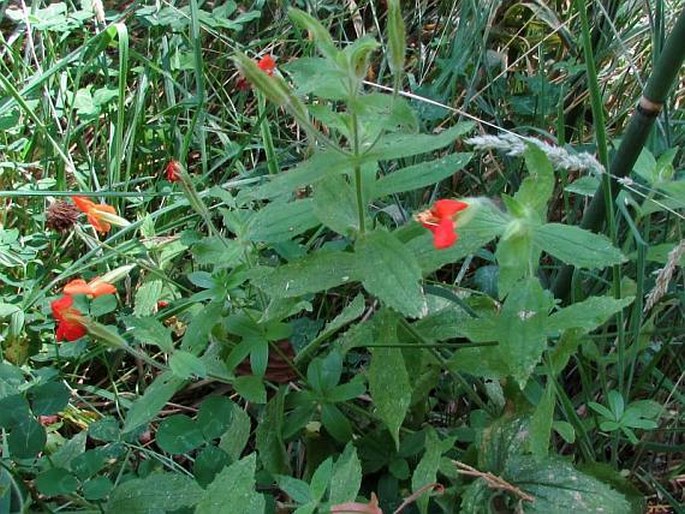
[(492, 481)]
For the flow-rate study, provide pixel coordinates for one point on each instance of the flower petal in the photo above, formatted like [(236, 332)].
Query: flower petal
[(83, 203), (77, 286), (267, 64), (59, 306), (447, 208), (70, 331), (444, 235), (99, 288)]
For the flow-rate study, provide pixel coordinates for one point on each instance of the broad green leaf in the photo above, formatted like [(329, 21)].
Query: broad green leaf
[(315, 75), (208, 463), (517, 258), (233, 491), (318, 166), (147, 297), (390, 272), (179, 434), (421, 175), (7, 309), (185, 365), (426, 471), (520, 330), (215, 416), (347, 476), (321, 479), (397, 146), (541, 422), (311, 274), (336, 423), (149, 330), (323, 374), (56, 482), (196, 337), (281, 221), (156, 494), (234, 440), (335, 205), (217, 251), (559, 488), (389, 383), (576, 246), (588, 314), (537, 187), (157, 394), (49, 398), (251, 388), (269, 436), (97, 488), (297, 489), (26, 439)]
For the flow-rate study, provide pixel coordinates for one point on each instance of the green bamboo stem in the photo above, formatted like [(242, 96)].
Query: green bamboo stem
[(650, 105)]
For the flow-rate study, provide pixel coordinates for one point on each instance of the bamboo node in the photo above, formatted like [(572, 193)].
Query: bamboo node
[(649, 108)]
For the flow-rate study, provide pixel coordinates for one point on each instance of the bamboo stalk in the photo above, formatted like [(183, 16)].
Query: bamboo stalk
[(648, 109)]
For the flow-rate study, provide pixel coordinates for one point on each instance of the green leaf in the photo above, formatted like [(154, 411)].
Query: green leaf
[(516, 257), (537, 188), (541, 422), (56, 482), (234, 440), (576, 246), (103, 305), (157, 394), (147, 297), (390, 272), (233, 491), (421, 175), (520, 330), (218, 252), (297, 489), (27, 439), (321, 479), (426, 471), (185, 365), (155, 494), (318, 76), (208, 463), (280, 221), (149, 330), (269, 436), (215, 416), (196, 337), (397, 146), (389, 383), (251, 388), (179, 434), (336, 423), (97, 488), (320, 165), (588, 314), (347, 476), (311, 274), (558, 488), (335, 205), (49, 398)]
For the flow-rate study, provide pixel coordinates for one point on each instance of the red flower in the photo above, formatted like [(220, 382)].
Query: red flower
[(97, 213), (93, 289), (69, 319), (267, 65), (173, 171), (439, 219)]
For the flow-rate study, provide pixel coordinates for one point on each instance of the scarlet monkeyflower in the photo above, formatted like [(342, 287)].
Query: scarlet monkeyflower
[(439, 219), (267, 65), (70, 325), (92, 289), (173, 171), (98, 214)]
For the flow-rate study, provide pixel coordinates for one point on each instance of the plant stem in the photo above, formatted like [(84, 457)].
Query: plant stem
[(361, 208)]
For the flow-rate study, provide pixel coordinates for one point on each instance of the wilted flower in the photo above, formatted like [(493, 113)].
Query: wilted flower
[(173, 171), (61, 216)]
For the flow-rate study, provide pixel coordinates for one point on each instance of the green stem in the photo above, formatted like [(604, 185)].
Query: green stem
[(359, 186)]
